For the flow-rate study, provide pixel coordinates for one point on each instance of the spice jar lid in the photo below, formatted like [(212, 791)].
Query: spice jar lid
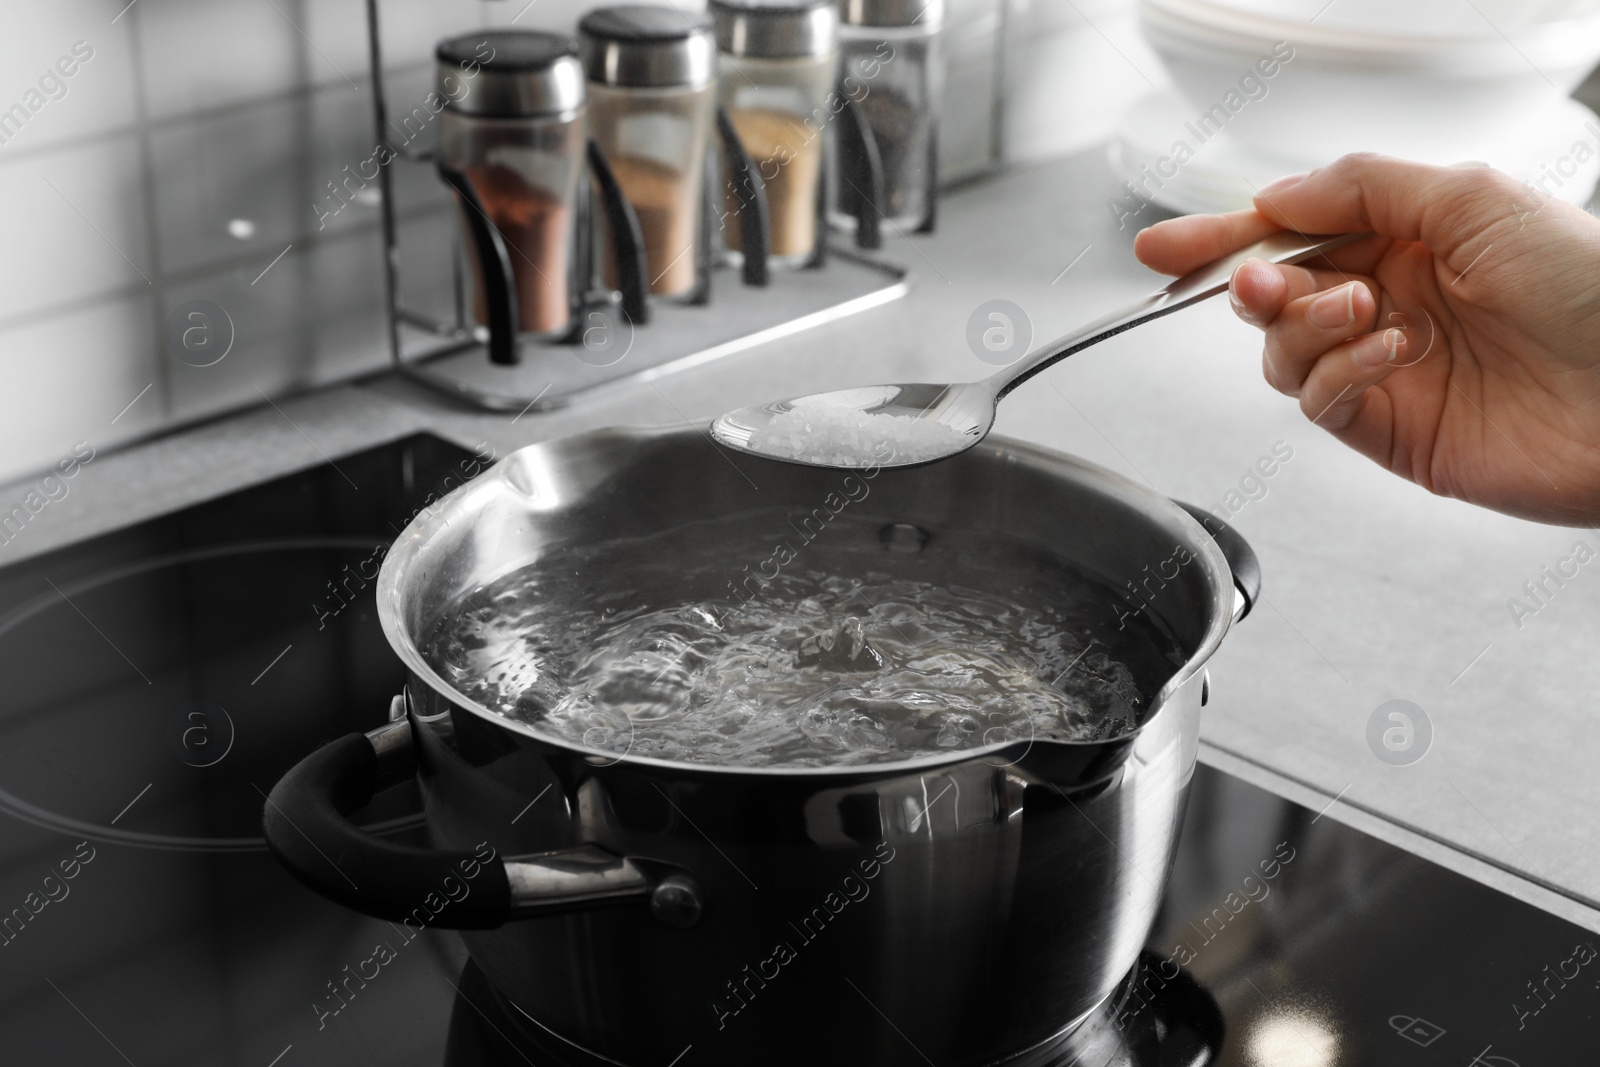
[(928, 13), (776, 29), (510, 74), (642, 46)]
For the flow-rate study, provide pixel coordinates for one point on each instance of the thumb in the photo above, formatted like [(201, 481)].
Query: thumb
[(1440, 207)]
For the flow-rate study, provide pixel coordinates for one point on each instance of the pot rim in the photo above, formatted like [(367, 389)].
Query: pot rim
[(401, 559)]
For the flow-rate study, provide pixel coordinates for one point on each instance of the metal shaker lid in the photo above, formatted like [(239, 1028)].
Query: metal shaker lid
[(645, 46), (928, 13), (776, 29), (510, 74)]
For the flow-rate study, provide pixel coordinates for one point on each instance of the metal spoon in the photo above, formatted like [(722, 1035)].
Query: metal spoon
[(966, 411)]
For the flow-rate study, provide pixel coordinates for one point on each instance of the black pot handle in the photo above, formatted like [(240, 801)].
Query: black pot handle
[(1241, 557), (307, 826)]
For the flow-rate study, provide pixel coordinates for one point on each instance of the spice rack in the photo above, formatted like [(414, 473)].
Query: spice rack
[(617, 339)]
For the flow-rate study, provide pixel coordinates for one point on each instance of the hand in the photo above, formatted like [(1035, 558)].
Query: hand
[(1459, 347)]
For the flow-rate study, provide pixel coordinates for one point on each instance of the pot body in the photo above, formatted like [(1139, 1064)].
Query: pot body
[(976, 907), (962, 909)]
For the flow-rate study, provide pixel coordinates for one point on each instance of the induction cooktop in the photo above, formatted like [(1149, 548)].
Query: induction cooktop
[(160, 678)]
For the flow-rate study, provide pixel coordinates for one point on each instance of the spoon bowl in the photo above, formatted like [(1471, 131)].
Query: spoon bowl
[(903, 424), (908, 424)]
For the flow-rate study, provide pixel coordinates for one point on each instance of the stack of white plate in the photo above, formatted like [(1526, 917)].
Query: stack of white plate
[(1269, 87)]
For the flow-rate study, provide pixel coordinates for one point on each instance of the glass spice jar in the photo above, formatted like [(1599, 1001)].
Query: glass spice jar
[(651, 73), (778, 63), (891, 65), (514, 126)]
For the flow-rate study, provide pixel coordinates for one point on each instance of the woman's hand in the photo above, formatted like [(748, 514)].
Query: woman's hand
[(1459, 347)]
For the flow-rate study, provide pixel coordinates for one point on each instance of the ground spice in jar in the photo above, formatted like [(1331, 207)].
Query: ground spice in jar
[(665, 202), (788, 156), (537, 227)]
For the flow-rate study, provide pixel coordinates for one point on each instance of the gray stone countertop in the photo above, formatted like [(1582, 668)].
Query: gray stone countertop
[(1375, 590)]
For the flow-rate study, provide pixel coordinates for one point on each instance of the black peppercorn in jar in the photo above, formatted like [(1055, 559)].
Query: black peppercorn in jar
[(891, 65)]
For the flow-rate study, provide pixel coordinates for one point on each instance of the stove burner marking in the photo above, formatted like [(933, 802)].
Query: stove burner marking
[(279, 1056), (16, 806), (468, 1001), (99, 631)]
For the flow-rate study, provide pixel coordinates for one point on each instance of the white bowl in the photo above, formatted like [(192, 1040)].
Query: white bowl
[(1223, 175), (1344, 92), (1411, 19)]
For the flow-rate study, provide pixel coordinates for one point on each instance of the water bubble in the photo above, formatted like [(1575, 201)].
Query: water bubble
[(890, 657)]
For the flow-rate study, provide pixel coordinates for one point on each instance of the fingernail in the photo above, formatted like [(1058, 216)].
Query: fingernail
[(1333, 309), (1377, 349), (1278, 185), (1239, 307), (1468, 164)]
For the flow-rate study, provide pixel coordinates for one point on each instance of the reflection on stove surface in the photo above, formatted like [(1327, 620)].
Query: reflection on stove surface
[(1158, 1018)]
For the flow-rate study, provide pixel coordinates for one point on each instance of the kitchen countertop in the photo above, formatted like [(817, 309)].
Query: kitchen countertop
[(1375, 590)]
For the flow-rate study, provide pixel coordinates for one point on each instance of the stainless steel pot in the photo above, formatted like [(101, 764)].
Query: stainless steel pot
[(965, 908)]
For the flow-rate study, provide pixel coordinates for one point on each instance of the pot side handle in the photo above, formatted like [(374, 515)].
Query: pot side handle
[(1242, 559), (307, 825)]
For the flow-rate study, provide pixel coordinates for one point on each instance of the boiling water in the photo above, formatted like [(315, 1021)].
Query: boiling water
[(709, 646)]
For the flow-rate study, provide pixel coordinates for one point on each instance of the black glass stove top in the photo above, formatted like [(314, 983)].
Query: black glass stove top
[(160, 678)]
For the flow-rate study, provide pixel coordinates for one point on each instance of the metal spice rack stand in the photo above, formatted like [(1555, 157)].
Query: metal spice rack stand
[(451, 358)]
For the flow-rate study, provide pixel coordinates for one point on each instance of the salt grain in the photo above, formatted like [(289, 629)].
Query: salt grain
[(837, 436)]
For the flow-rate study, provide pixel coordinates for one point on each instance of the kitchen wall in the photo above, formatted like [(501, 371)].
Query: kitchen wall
[(181, 159), (1075, 68), (187, 157)]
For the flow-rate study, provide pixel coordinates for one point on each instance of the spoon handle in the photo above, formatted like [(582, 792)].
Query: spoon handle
[(1285, 246)]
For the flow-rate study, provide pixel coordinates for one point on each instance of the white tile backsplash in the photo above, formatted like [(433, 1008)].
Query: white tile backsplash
[(249, 181), (37, 47), (427, 282), (314, 317), (74, 230), (195, 142), (238, 167), (68, 377), (200, 55)]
